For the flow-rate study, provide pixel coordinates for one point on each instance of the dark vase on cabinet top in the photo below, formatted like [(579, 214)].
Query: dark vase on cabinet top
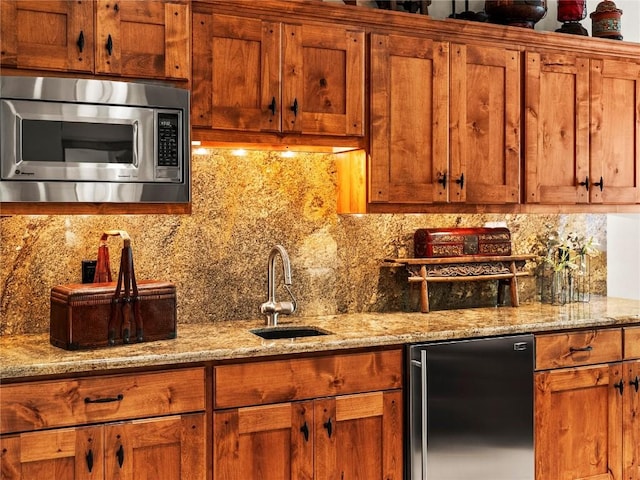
[(517, 13)]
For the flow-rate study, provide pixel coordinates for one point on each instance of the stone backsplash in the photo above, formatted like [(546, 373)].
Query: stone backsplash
[(217, 256)]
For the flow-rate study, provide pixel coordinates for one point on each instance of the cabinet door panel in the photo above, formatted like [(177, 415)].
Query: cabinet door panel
[(149, 39), (409, 126), (236, 73), (323, 71), (45, 35), (485, 125), (63, 454), (632, 421), (171, 448), (557, 132), (615, 131), (359, 437), (266, 442), (578, 423)]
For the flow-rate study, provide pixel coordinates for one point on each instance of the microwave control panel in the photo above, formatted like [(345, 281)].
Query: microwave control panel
[(168, 159)]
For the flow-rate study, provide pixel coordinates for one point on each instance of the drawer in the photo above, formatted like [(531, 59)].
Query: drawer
[(631, 343), (47, 404), (578, 348), (261, 383)]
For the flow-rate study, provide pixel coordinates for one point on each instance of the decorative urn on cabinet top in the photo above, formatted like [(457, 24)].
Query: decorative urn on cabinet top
[(570, 12), (517, 13), (606, 21)]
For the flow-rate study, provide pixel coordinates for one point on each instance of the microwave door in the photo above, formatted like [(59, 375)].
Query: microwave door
[(93, 143)]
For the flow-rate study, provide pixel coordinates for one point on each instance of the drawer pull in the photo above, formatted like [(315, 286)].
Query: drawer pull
[(588, 348), (619, 386), (119, 398), (635, 383), (120, 456)]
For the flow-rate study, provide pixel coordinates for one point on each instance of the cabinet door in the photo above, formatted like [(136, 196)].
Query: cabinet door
[(143, 38), (557, 131), (273, 442), (322, 80), (409, 126), (632, 421), (171, 448), (52, 35), (485, 125), (236, 73), (615, 131), (62, 454), (359, 437), (578, 423)]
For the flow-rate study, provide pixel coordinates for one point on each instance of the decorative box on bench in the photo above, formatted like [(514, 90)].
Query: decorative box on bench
[(457, 242)]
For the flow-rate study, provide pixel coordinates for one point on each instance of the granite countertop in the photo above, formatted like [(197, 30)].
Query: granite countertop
[(23, 356)]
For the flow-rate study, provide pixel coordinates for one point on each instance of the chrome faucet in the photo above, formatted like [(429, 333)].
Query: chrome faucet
[(271, 308)]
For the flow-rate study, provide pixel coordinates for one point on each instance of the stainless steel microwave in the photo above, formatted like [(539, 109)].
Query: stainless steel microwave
[(82, 140)]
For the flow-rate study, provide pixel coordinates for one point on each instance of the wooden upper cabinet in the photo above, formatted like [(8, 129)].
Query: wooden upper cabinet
[(52, 35), (557, 128), (257, 75), (133, 38), (143, 38), (485, 125), (615, 131), (584, 146), (409, 85)]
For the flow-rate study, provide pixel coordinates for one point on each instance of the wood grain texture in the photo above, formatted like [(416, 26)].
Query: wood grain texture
[(578, 423), (485, 125), (631, 343), (303, 378), (556, 133), (631, 421), (39, 405), (409, 119), (578, 348)]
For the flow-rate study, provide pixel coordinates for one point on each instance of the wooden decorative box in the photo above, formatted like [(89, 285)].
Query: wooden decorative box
[(457, 242)]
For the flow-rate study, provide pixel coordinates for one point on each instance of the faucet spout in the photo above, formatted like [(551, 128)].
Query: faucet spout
[(271, 308)]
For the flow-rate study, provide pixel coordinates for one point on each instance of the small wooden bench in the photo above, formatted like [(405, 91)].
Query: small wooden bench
[(505, 269)]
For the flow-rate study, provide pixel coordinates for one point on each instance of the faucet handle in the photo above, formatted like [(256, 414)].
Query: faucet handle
[(293, 302)]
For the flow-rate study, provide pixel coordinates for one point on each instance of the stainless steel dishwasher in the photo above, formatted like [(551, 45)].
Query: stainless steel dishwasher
[(470, 409)]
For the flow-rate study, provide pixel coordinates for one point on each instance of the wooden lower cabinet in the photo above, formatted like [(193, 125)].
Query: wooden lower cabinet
[(168, 448), (587, 414), (352, 437)]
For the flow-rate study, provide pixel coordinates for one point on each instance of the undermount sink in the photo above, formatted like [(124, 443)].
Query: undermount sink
[(275, 333)]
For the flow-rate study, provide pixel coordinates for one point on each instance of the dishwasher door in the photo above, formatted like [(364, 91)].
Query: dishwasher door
[(470, 410)]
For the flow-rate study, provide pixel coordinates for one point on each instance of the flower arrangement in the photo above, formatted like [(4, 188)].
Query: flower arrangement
[(568, 260)]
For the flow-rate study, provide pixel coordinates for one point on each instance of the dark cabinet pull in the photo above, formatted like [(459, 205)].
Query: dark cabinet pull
[(272, 106), (90, 460), (600, 184), (585, 184), (119, 398), (588, 348), (80, 41), (635, 383), (109, 45), (294, 108), (328, 426), (305, 431), (120, 456), (619, 386), (460, 181), (442, 180)]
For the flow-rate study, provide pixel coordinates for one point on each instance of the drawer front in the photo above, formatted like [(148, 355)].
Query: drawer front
[(578, 348), (40, 405), (631, 343), (303, 378)]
